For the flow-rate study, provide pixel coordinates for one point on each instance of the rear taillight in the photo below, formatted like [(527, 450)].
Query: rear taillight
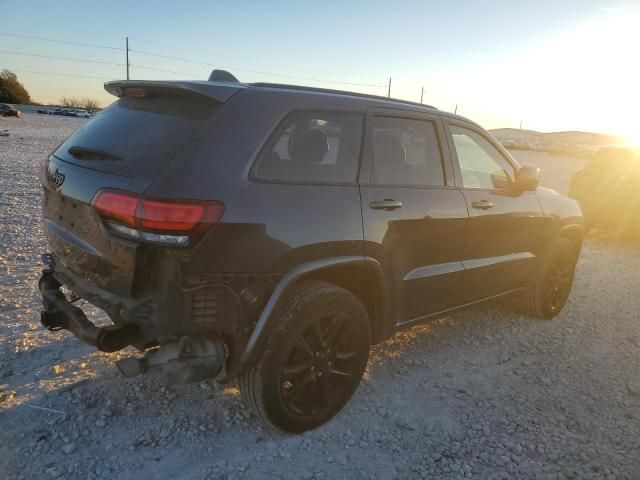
[(116, 205), (155, 220)]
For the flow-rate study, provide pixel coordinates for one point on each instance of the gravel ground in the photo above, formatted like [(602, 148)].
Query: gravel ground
[(483, 394)]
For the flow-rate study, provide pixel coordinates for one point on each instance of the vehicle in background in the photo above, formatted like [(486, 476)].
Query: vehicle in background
[(66, 112), (7, 110), (608, 189), (273, 233)]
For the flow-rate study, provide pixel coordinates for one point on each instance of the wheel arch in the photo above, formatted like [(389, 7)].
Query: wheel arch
[(362, 276), (574, 233)]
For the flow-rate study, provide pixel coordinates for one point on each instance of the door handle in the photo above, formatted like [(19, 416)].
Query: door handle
[(386, 204), (482, 205)]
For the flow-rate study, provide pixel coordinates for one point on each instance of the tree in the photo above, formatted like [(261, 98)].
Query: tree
[(11, 90), (70, 102), (86, 103), (90, 104)]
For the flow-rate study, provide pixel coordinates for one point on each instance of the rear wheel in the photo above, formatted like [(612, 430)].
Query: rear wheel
[(312, 361), (551, 289)]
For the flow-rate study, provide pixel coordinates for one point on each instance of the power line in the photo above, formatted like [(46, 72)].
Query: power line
[(172, 58), (190, 75), (60, 58), (60, 41), (261, 72), (181, 59), (96, 61), (63, 74)]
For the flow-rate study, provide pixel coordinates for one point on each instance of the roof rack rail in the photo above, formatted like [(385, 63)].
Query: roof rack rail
[(339, 92)]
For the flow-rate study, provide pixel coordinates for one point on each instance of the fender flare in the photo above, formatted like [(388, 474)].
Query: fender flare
[(267, 318), (573, 231)]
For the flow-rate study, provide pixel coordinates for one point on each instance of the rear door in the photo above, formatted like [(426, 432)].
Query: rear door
[(505, 226), (414, 215)]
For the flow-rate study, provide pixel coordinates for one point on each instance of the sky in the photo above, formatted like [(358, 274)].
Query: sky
[(554, 65)]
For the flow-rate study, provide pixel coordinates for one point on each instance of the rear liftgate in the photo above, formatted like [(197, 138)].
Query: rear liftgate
[(135, 217)]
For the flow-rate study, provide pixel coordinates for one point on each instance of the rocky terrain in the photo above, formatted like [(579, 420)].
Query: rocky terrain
[(484, 394)]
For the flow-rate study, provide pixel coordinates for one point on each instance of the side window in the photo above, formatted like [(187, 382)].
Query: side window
[(313, 147), (481, 164), (405, 152)]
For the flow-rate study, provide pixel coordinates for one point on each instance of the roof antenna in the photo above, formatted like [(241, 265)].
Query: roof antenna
[(222, 76)]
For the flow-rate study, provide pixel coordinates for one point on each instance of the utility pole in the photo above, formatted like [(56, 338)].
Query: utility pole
[(421, 94), (520, 124), (456, 110), (127, 45), (389, 90)]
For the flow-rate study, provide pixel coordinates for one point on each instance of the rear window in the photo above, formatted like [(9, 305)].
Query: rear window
[(137, 136), (313, 147)]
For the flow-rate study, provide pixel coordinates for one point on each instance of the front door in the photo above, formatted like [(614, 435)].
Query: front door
[(505, 225), (414, 216)]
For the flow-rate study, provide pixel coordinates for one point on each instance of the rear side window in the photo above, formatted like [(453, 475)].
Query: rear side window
[(405, 152), (313, 147), (136, 137)]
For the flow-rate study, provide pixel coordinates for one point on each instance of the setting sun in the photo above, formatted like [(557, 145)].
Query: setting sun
[(585, 77), (592, 73)]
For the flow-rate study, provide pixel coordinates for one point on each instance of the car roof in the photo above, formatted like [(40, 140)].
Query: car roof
[(359, 100), (223, 91)]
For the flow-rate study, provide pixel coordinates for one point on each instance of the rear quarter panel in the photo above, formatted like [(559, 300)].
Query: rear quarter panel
[(266, 227)]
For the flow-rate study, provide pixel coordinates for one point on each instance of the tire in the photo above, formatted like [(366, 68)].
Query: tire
[(312, 361), (552, 285)]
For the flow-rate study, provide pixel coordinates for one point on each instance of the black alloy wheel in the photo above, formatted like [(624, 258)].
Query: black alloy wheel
[(312, 361), (321, 366), (560, 279)]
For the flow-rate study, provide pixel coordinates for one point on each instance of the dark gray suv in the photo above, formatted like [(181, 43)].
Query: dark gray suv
[(273, 233)]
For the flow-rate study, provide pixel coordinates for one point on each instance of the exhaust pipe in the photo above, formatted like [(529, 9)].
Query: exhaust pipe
[(60, 314), (184, 361)]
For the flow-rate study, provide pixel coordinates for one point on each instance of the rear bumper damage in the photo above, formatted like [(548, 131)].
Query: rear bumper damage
[(59, 313), (180, 359)]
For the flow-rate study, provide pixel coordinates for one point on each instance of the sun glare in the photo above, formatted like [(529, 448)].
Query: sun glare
[(585, 78), (601, 73)]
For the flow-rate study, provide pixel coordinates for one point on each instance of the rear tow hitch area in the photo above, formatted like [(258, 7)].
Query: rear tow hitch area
[(59, 313), (183, 361)]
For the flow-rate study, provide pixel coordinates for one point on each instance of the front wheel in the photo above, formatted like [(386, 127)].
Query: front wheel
[(552, 286), (312, 361)]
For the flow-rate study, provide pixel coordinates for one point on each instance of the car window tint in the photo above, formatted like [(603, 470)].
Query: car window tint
[(481, 164), (405, 152), (314, 147)]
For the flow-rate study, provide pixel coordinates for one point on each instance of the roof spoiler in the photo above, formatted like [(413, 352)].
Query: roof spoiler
[(222, 76), (219, 91)]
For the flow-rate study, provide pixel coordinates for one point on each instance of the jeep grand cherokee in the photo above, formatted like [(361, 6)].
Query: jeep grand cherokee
[(273, 233)]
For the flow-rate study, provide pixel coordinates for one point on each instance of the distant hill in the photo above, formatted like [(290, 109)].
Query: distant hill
[(581, 144), (573, 138)]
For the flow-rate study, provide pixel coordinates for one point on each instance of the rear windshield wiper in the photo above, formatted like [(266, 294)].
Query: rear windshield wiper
[(86, 153)]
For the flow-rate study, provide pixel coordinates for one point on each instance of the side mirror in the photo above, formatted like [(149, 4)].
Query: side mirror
[(528, 178)]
